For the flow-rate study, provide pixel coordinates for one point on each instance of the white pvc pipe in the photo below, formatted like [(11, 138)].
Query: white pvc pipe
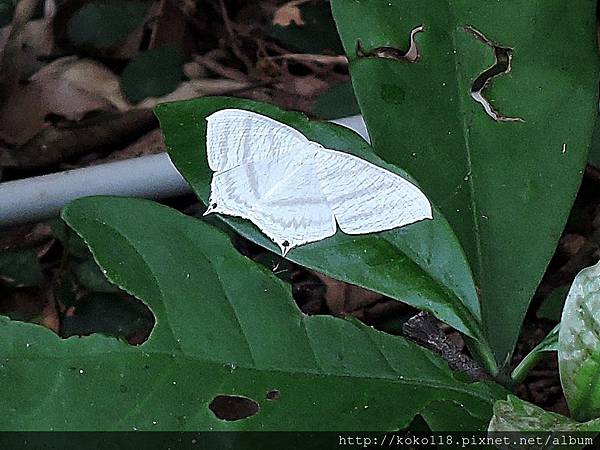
[(38, 198)]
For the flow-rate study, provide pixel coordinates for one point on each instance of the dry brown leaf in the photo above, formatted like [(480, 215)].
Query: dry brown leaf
[(49, 317), (572, 243), (193, 70), (343, 298), (33, 43), (95, 79), (289, 14), (68, 87), (196, 88), (299, 93), (151, 143)]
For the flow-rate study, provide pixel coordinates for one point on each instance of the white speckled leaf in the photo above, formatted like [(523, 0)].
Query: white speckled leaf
[(578, 345), (516, 415), (295, 190)]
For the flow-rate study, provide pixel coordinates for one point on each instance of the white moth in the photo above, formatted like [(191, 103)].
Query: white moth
[(295, 190)]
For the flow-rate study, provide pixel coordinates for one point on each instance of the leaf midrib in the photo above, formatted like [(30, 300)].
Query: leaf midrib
[(290, 371), (469, 164)]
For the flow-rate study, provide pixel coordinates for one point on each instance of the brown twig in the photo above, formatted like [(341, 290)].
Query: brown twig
[(423, 329), (57, 144), (307, 57), (220, 69), (233, 38)]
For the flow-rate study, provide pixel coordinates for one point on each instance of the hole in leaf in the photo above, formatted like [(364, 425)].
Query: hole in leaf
[(410, 55), (112, 314), (273, 395), (233, 407), (502, 65)]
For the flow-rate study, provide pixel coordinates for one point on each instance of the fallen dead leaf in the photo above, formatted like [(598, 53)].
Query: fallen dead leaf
[(196, 88), (289, 14), (343, 298), (33, 43), (151, 143), (49, 317), (572, 243), (68, 87)]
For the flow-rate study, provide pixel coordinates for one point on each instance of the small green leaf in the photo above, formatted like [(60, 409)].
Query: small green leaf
[(101, 24), (339, 101), (421, 264), (21, 268), (578, 345), (152, 73), (516, 415), (225, 326)]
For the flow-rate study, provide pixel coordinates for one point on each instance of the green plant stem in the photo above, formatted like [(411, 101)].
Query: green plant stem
[(483, 353), (549, 343), (521, 371)]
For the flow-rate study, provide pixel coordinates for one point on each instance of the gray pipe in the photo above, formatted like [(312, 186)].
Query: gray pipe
[(38, 198)]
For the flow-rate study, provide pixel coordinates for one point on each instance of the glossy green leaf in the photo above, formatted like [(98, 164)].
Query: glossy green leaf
[(421, 264), (21, 268), (516, 415), (100, 24), (152, 73), (224, 326), (506, 187), (578, 345), (548, 344), (338, 101)]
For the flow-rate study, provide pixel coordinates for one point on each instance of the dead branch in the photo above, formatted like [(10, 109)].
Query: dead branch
[(423, 329), (56, 144), (219, 69), (311, 58)]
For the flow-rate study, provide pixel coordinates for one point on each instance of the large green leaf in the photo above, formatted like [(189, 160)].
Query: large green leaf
[(506, 187), (579, 345), (421, 264), (516, 415), (224, 326)]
